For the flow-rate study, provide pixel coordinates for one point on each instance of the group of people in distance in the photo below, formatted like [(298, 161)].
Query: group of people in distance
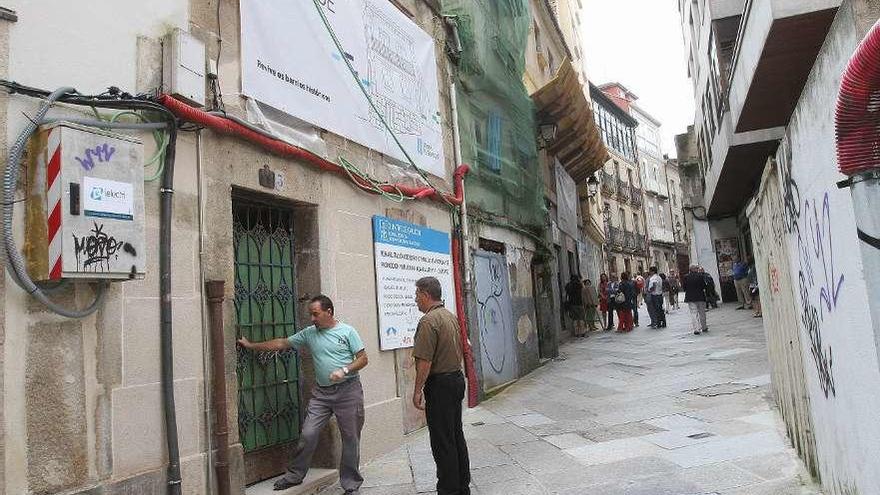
[(588, 304)]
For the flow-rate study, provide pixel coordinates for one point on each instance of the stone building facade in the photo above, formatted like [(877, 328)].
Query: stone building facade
[(82, 398), (626, 247)]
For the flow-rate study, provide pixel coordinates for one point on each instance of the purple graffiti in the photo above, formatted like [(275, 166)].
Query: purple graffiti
[(823, 250), (103, 153), (819, 282)]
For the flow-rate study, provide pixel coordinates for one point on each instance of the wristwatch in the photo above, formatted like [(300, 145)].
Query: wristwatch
[(345, 370)]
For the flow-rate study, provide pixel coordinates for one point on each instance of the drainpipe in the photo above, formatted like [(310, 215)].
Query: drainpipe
[(460, 247), (215, 291), (857, 128)]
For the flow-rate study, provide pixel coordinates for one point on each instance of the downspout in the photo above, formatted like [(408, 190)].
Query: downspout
[(857, 129), (206, 333), (459, 247), (166, 206), (215, 291), (460, 242)]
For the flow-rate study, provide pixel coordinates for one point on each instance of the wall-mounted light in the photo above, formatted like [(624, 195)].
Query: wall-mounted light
[(548, 132), (592, 186)]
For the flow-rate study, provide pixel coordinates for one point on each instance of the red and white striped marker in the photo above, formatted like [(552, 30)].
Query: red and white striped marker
[(53, 200)]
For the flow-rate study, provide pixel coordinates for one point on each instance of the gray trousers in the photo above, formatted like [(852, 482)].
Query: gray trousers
[(698, 315), (346, 401), (742, 292)]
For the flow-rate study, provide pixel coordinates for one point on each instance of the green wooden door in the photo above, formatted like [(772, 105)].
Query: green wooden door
[(265, 304)]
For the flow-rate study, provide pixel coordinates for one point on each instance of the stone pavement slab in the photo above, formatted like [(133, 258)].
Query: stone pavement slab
[(653, 412)]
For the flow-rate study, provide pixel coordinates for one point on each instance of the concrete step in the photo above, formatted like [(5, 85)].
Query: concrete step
[(316, 480)]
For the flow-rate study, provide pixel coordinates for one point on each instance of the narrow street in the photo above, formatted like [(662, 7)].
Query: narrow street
[(649, 413)]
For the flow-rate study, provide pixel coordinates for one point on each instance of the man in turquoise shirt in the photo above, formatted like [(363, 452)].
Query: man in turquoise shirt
[(338, 355)]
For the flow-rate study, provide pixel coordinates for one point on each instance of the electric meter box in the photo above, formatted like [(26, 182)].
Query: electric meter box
[(85, 204)]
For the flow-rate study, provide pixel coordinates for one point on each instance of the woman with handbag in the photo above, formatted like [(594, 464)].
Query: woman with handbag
[(625, 302), (607, 289), (605, 313)]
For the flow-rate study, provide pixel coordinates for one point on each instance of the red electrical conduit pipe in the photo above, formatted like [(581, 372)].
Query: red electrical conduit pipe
[(281, 148), (857, 118), (229, 127), (467, 351)]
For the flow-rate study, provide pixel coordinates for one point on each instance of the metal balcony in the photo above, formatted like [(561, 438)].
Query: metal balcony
[(635, 196), (609, 184), (622, 191), (614, 238), (629, 241)]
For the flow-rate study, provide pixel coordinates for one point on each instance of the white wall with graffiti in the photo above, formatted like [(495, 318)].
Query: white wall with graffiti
[(830, 287)]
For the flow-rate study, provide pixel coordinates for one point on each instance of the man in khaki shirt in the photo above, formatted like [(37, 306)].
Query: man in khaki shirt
[(437, 353)]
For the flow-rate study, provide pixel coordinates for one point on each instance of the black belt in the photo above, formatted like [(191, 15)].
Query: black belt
[(448, 373)]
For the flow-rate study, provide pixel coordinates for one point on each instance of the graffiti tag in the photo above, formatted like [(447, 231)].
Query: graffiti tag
[(101, 152), (819, 280), (95, 250)]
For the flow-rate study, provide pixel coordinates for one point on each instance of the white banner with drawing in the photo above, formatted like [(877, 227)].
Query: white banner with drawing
[(290, 62)]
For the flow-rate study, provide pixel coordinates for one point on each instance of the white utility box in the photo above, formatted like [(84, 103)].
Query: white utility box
[(85, 204), (183, 67)]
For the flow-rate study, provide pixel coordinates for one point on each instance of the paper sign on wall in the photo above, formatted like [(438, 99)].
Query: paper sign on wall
[(404, 253)]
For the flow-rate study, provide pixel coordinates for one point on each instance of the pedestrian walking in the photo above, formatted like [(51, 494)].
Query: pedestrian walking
[(655, 295), (741, 282), (639, 283), (639, 280), (674, 289), (694, 285), (575, 305), (338, 355), (666, 289), (437, 353), (591, 302), (753, 290), (711, 293), (606, 305), (625, 302)]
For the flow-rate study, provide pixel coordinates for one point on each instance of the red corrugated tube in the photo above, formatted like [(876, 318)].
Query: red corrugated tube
[(226, 126), (467, 350), (857, 119), (229, 127)]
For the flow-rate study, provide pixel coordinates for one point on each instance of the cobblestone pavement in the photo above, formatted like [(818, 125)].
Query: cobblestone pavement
[(652, 412)]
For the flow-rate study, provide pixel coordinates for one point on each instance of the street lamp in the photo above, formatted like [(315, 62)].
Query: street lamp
[(548, 132), (606, 251), (592, 186), (675, 246)]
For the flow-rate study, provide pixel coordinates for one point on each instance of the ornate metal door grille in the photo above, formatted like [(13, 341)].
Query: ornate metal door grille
[(265, 305)]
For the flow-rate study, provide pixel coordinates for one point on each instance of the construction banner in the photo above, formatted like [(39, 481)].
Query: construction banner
[(291, 62)]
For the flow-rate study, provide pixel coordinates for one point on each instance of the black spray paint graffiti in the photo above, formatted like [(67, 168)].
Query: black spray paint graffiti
[(492, 319), (819, 280), (94, 251)]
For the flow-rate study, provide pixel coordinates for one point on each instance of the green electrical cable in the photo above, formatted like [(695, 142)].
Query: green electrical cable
[(161, 139), (371, 102), (374, 185)]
